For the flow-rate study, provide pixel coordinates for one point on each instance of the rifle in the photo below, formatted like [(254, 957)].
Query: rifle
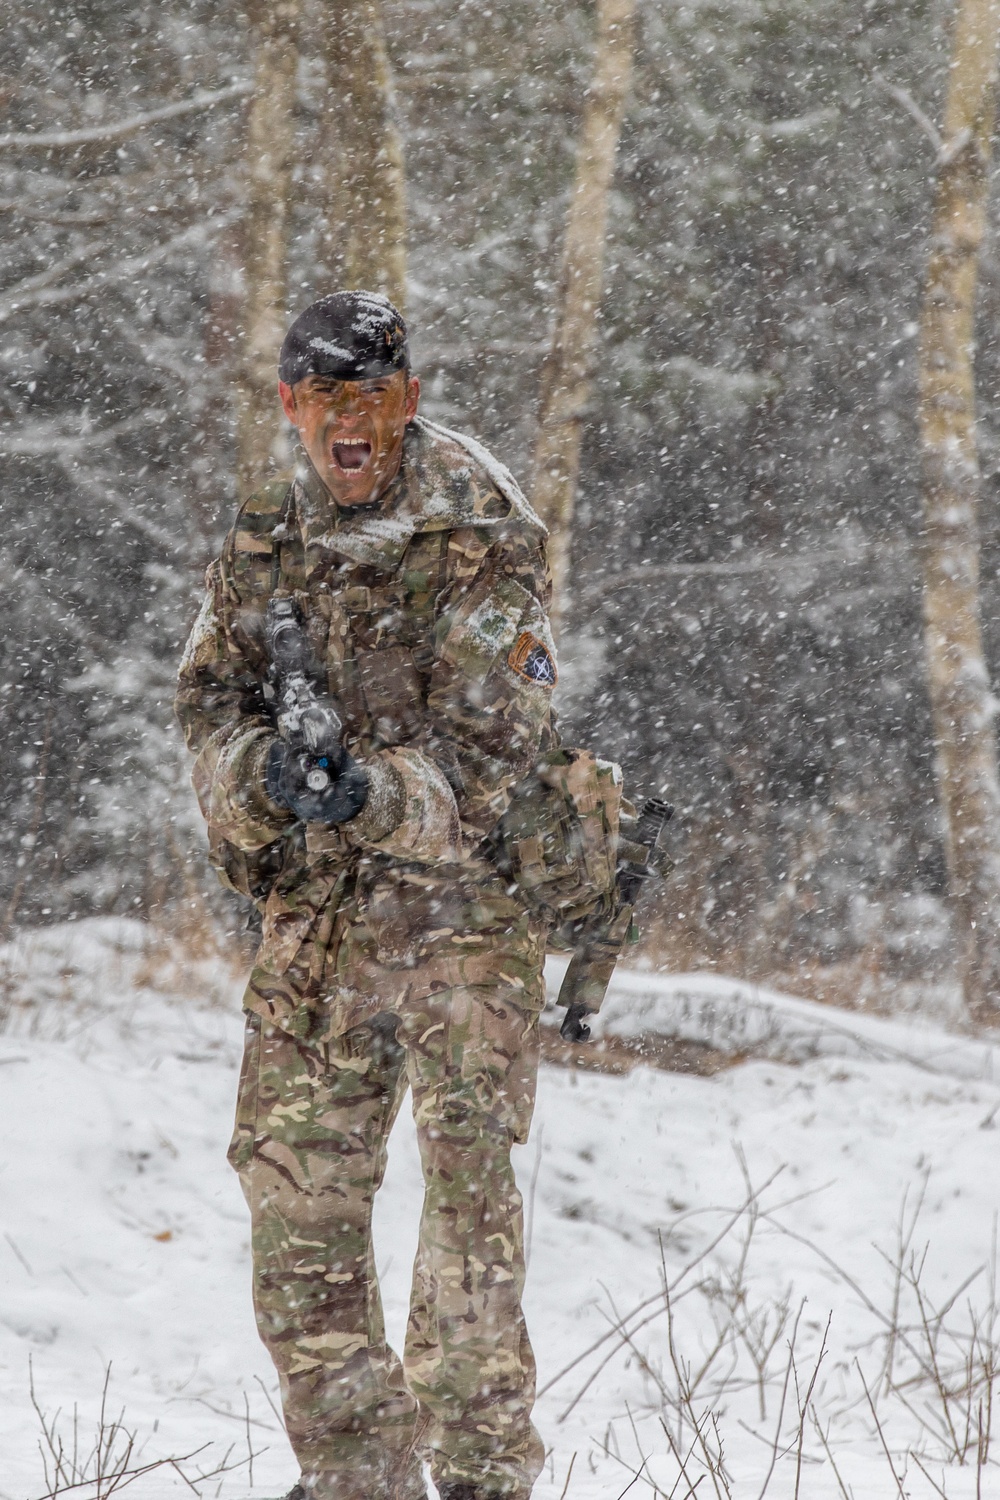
[(306, 720), (602, 938)]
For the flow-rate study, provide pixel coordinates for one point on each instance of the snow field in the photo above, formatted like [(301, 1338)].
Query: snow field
[(124, 1238)]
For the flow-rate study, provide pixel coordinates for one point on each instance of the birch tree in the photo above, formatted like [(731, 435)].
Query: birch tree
[(361, 176), (269, 163), (567, 375), (961, 700)]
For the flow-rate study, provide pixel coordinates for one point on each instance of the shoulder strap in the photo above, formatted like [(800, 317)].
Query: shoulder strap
[(279, 531)]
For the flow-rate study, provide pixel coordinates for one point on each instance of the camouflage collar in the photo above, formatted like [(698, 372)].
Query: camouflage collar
[(446, 481)]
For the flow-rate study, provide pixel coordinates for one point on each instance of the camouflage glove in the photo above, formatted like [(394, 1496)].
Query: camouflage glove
[(286, 780)]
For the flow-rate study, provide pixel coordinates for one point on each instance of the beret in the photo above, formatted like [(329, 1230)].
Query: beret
[(347, 336)]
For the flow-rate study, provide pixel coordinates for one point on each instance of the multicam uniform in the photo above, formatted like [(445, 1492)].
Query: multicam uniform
[(392, 954)]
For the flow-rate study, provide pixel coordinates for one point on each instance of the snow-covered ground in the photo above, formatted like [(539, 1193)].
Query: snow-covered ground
[(123, 1235)]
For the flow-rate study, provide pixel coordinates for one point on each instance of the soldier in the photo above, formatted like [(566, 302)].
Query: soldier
[(393, 953)]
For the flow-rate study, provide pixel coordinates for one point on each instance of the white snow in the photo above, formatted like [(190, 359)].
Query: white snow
[(327, 346), (123, 1234), (740, 1018)]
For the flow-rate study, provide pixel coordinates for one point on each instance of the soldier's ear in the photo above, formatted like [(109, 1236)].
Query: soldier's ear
[(287, 394), (412, 396)]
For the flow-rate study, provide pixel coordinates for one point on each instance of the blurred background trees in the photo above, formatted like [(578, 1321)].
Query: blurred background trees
[(269, 176), (744, 626), (567, 375), (962, 702)]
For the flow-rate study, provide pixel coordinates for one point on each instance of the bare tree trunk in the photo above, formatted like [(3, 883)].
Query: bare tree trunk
[(211, 477), (567, 375), (361, 156), (959, 683), (269, 162)]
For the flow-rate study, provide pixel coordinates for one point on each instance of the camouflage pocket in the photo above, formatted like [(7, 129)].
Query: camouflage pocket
[(522, 1083), (412, 918), (394, 693), (289, 916), (250, 873), (473, 1055), (484, 626)]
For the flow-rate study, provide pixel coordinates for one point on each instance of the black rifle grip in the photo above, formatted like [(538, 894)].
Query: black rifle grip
[(655, 816)]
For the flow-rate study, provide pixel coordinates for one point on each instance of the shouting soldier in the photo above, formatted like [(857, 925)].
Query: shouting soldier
[(397, 950)]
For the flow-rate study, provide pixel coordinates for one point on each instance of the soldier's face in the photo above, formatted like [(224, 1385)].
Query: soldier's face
[(353, 430)]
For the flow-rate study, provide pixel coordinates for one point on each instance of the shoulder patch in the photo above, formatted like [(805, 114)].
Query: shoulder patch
[(531, 659)]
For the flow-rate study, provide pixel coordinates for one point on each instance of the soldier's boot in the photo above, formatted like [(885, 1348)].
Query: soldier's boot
[(465, 1491), (410, 1487)]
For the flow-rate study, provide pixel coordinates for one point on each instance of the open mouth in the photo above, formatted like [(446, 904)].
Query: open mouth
[(352, 454)]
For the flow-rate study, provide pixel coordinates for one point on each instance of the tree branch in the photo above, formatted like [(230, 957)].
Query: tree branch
[(119, 270), (896, 554), (57, 269), (118, 130), (42, 438), (50, 216), (103, 494), (906, 99), (30, 592)]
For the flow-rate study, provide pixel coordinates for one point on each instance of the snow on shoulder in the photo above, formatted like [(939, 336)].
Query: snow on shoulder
[(498, 474)]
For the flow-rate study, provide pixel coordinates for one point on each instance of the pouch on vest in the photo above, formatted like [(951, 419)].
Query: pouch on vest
[(249, 873), (558, 839)]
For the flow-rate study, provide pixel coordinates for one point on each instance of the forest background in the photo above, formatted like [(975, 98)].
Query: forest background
[(742, 616)]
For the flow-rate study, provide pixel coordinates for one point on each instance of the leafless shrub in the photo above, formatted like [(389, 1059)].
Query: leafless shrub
[(942, 1354), (938, 1363), (95, 1467)]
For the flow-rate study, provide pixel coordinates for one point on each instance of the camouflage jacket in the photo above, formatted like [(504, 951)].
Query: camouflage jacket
[(428, 611)]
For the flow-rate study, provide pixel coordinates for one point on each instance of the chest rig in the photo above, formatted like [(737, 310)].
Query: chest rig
[(372, 632), (371, 628)]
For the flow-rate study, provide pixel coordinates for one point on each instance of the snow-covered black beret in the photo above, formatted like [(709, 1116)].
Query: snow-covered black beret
[(346, 336)]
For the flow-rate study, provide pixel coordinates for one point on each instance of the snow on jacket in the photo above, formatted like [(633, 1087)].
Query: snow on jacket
[(424, 608)]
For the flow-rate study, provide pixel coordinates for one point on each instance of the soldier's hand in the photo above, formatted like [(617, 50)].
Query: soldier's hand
[(574, 1028), (291, 780)]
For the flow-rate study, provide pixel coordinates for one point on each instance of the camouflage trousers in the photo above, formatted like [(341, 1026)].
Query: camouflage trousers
[(310, 1147)]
